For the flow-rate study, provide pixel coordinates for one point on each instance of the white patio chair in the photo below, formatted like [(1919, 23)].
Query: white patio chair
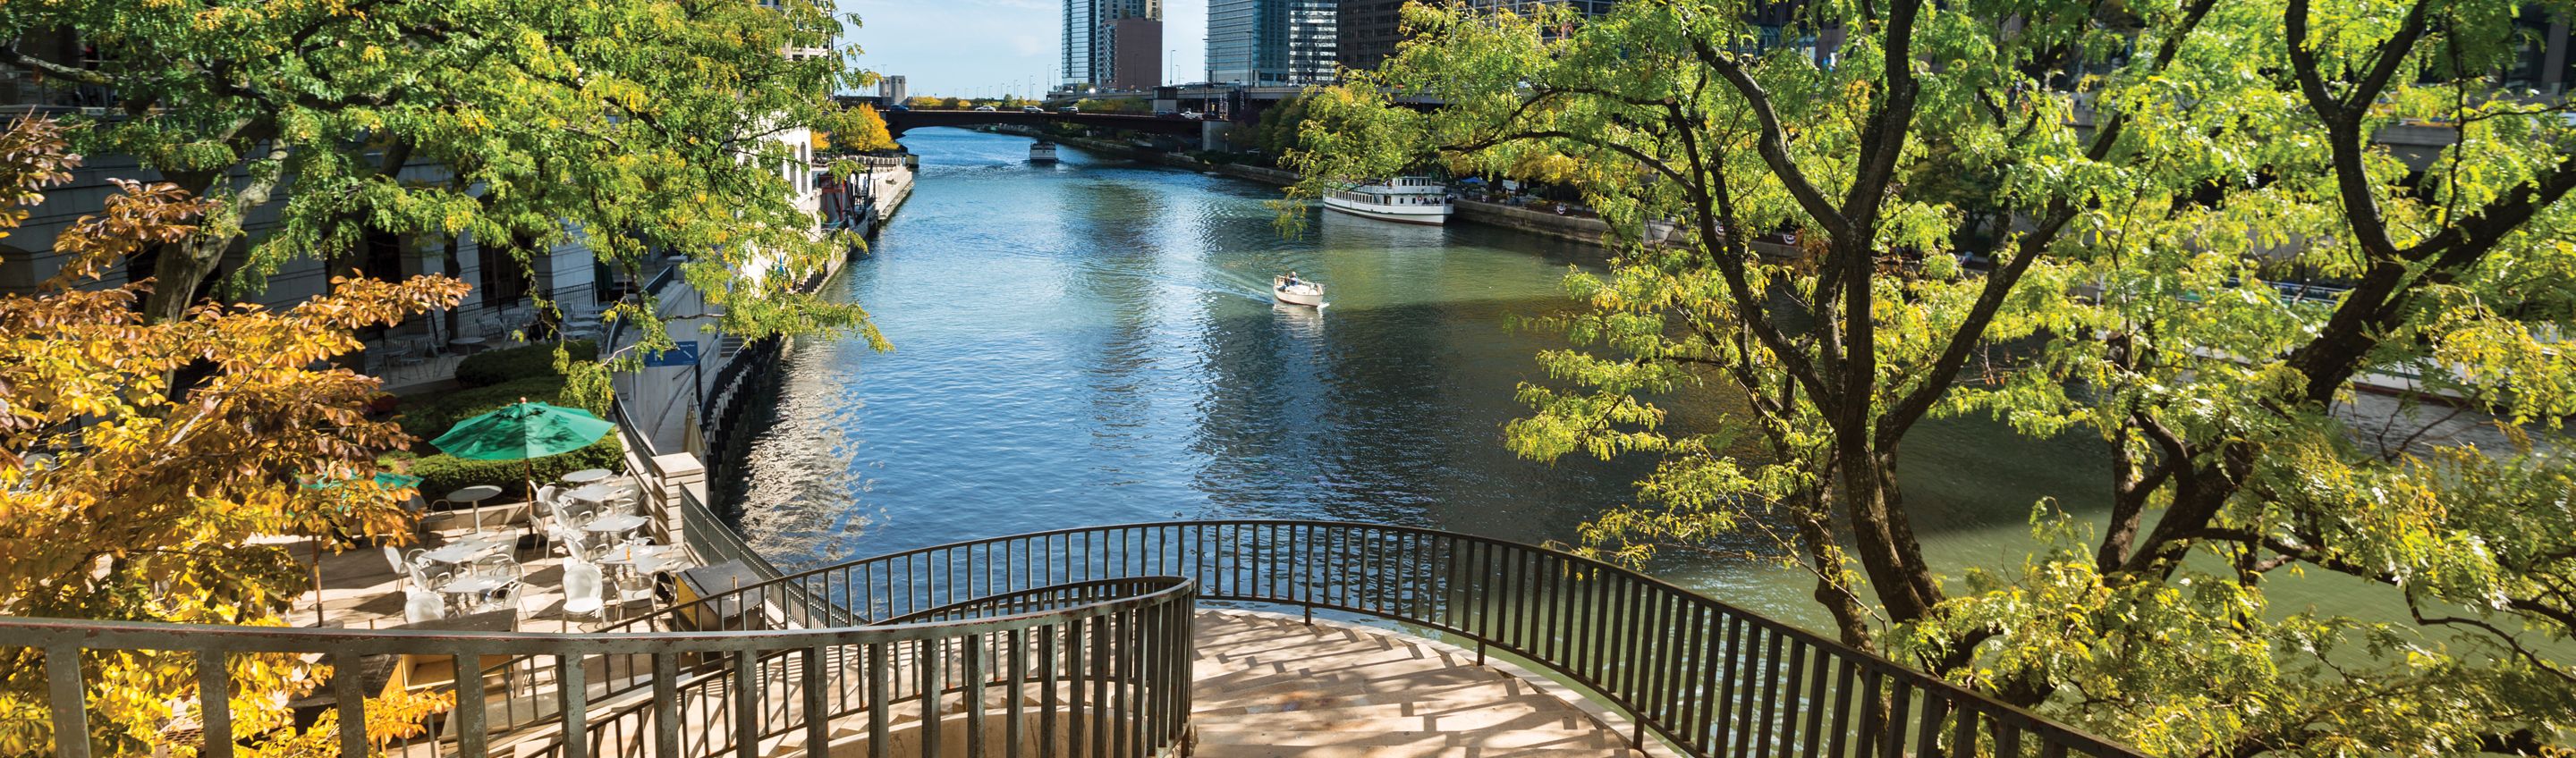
[(505, 597), (423, 605), (394, 560), (581, 589)]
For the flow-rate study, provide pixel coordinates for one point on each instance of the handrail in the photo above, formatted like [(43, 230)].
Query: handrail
[(1125, 643), (1711, 678), (712, 690), (1707, 677)]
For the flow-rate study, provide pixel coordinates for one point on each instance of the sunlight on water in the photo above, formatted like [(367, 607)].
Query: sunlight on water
[(1094, 343)]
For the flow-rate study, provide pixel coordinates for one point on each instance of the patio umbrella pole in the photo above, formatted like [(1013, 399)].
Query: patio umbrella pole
[(316, 544)]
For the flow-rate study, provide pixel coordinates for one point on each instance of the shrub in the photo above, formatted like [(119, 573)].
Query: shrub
[(497, 366), (441, 474), (500, 377), (427, 416)]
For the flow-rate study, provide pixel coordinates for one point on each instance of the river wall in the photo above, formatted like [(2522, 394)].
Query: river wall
[(1584, 229)]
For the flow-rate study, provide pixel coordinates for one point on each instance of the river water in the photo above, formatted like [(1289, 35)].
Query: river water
[(1093, 343)]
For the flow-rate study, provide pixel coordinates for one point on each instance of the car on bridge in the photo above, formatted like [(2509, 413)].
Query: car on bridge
[(1070, 109), (1031, 109), (983, 109)]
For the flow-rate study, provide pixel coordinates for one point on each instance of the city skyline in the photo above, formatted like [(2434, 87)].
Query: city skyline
[(971, 47)]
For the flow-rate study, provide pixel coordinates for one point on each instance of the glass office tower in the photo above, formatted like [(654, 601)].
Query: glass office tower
[(1271, 42)]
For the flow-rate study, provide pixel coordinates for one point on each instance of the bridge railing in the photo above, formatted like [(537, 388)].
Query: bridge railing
[(1710, 678)]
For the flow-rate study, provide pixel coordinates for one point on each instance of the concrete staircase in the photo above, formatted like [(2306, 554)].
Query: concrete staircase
[(1273, 687), (1265, 686)]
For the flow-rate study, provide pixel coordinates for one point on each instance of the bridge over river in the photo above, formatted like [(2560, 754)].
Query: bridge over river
[(900, 121)]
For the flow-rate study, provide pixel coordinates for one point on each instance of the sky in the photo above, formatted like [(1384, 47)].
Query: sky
[(986, 47)]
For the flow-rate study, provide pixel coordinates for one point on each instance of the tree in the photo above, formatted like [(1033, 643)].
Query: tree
[(638, 125), (1275, 133), (922, 101), (867, 131), (2152, 159), (118, 503)]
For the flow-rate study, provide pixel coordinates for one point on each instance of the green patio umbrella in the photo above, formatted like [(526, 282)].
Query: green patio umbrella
[(523, 431)]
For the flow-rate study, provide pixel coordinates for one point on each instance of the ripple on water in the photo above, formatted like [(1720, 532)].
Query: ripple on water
[(1093, 343)]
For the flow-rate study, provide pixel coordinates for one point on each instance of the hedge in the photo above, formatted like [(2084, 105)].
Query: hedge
[(525, 362), (505, 376), (427, 416), (442, 474)]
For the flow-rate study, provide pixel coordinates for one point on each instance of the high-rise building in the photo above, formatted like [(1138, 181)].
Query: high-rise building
[(1091, 53), (1272, 42), (890, 90), (1135, 54), (1370, 29)]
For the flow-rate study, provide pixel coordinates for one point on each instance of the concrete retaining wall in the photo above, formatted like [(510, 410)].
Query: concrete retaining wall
[(1587, 230), (1582, 229)]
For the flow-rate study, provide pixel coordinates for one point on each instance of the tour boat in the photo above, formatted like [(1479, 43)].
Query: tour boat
[(1304, 292), (1405, 199), (1042, 152)]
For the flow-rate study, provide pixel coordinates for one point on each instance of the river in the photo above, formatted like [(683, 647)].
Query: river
[(1093, 343)]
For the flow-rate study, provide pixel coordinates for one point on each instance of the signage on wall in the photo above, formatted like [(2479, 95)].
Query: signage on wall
[(682, 354)]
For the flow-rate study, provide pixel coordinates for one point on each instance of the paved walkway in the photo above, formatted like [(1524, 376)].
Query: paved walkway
[(1271, 687)]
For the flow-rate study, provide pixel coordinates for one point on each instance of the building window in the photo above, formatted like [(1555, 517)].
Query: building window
[(380, 257), (505, 277)]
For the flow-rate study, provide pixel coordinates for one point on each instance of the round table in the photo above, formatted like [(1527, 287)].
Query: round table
[(587, 476), (650, 559), (618, 523), (462, 590), (473, 498), (464, 551)]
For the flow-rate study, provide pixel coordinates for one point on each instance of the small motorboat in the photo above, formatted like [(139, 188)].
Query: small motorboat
[(1042, 152), (1295, 291)]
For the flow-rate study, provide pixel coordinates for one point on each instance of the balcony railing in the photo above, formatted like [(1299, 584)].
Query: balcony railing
[(910, 628)]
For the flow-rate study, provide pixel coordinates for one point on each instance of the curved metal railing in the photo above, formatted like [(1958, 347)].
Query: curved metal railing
[(1708, 677), (989, 659), (1084, 670)]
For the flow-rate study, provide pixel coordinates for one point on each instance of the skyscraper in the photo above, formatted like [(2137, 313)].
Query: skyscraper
[(1272, 42), (1091, 54), (1370, 29), (1135, 54)]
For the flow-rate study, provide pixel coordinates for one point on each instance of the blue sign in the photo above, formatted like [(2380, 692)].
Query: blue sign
[(683, 354)]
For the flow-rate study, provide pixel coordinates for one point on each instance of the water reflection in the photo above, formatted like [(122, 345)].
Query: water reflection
[(1095, 343)]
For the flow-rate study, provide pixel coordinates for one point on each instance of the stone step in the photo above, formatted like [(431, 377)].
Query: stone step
[(1436, 682), (1383, 743), (1393, 719), (1319, 659), (1331, 708)]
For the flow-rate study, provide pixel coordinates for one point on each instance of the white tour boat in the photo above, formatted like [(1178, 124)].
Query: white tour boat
[(1300, 292), (1406, 199), (1042, 152)]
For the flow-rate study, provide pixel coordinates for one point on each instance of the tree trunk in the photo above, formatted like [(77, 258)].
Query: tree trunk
[(178, 273)]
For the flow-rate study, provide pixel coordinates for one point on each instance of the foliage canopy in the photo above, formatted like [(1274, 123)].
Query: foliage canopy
[(118, 502), (640, 128), (2128, 176)]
